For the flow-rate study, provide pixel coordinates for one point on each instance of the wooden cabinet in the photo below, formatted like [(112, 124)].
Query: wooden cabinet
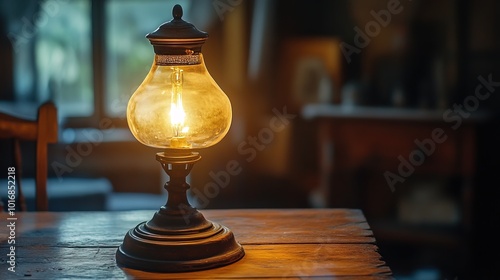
[(391, 162)]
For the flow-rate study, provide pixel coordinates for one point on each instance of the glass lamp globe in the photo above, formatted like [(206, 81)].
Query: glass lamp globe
[(178, 105)]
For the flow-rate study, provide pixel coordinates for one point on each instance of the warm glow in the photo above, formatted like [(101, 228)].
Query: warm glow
[(177, 114)]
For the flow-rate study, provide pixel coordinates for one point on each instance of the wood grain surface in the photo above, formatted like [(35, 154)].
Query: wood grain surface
[(279, 244)]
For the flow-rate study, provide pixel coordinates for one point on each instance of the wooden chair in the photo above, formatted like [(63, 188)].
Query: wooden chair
[(43, 131)]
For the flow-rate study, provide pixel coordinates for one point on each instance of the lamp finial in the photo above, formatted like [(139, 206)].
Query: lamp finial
[(177, 12)]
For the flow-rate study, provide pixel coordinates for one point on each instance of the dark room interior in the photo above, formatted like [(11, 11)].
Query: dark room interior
[(388, 106)]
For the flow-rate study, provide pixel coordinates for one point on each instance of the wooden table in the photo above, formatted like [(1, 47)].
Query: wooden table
[(279, 244)]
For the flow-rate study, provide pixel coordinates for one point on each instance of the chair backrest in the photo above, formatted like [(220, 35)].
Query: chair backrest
[(42, 131)]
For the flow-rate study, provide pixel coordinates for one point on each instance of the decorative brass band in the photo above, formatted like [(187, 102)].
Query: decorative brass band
[(164, 60)]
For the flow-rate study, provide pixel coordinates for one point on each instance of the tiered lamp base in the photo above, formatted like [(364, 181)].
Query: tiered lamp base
[(178, 238)]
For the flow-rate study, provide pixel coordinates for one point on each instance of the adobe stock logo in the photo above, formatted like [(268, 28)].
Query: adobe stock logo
[(76, 153), (224, 6), (31, 26), (455, 117), (249, 149)]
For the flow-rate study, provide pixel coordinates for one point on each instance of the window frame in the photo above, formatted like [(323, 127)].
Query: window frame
[(99, 117)]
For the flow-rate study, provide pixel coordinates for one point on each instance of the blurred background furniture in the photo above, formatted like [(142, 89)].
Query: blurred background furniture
[(42, 131), (35, 191), (427, 199)]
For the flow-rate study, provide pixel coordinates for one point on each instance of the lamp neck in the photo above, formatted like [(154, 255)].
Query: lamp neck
[(177, 164), (177, 214)]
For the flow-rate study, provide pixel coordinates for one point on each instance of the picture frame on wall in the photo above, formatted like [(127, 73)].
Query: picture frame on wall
[(310, 71)]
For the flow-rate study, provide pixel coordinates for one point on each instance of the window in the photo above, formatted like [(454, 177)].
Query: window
[(88, 56), (50, 45)]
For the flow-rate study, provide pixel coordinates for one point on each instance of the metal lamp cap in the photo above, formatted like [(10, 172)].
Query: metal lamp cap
[(177, 37)]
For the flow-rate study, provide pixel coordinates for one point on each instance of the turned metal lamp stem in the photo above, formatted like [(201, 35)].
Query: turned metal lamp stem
[(177, 186)]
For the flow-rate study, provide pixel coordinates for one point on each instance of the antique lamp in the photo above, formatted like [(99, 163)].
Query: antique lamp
[(178, 108)]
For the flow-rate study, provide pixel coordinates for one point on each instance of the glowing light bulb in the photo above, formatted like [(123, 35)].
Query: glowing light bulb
[(177, 114)]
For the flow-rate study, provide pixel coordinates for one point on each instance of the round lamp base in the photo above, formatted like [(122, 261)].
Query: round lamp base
[(178, 250)]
